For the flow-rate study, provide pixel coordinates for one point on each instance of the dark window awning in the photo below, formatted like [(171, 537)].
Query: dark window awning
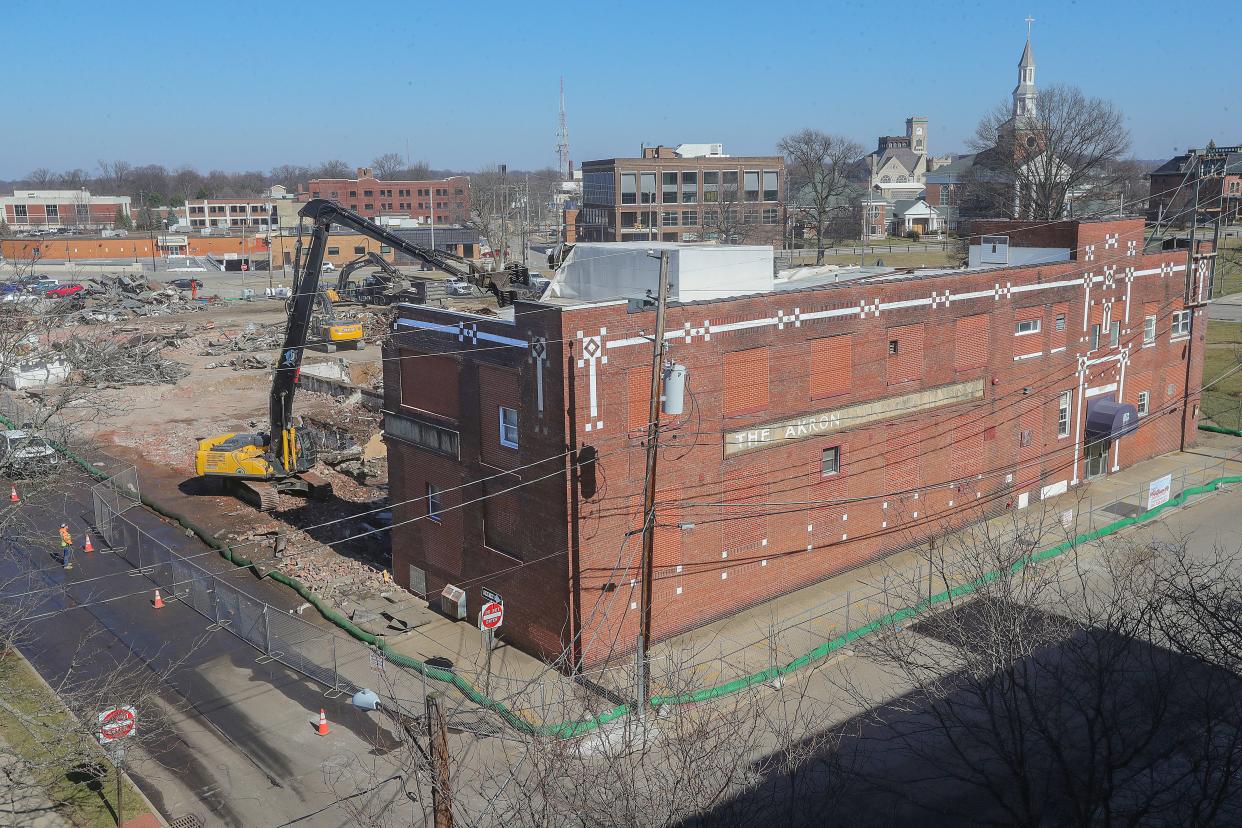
[(1108, 419)]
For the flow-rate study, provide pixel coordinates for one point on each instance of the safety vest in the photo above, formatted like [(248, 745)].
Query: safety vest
[(65, 537)]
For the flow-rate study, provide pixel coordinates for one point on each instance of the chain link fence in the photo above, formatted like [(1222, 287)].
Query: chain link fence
[(288, 639)]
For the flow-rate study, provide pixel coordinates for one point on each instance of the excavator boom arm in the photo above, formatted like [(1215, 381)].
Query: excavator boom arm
[(323, 214)]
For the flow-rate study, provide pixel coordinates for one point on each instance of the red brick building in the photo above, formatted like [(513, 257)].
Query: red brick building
[(823, 427), (447, 199), (1173, 189)]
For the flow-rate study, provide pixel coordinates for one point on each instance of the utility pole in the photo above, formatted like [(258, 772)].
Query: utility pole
[(866, 207), (649, 491), (1190, 280), (504, 209), (525, 217), (437, 739)]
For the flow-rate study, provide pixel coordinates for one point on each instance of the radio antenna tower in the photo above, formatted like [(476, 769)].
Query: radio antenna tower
[(562, 146)]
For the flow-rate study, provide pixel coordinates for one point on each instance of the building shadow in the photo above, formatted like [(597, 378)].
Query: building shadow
[(1095, 728)]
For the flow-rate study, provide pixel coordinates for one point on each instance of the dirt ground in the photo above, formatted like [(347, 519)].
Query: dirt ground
[(338, 546)]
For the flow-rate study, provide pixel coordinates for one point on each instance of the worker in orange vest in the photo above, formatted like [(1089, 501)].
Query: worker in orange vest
[(66, 545)]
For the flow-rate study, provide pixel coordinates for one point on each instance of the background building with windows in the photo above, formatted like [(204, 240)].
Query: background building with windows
[(692, 195), (1172, 192), (447, 199), (205, 213), (825, 424), (53, 209)]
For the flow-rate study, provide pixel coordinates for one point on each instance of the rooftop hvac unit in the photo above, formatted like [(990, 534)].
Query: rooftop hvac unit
[(453, 602)]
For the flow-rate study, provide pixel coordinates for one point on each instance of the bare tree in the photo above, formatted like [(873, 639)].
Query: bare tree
[(1035, 166), (115, 174), (491, 207), (818, 167), (41, 177), (386, 166), (1050, 694), (334, 168), (417, 171)]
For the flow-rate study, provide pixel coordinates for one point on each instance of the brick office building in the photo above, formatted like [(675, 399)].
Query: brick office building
[(824, 425), (678, 194), (1172, 185), (447, 200)]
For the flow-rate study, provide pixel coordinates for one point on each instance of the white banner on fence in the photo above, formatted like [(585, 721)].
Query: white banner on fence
[(1158, 491)]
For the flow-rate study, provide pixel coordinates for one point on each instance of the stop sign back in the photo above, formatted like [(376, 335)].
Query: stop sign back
[(117, 723), (491, 616)]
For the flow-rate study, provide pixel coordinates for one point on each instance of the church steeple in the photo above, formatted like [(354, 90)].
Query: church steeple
[(1024, 94)]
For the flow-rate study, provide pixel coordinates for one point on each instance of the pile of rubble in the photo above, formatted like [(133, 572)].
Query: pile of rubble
[(251, 338), (113, 298), (109, 362), (343, 559)]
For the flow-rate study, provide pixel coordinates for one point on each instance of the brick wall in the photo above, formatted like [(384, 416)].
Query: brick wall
[(740, 522)]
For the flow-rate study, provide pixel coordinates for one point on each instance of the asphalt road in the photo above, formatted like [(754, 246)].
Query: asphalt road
[(237, 744)]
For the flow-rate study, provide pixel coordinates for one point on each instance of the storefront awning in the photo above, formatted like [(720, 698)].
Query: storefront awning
[(1108, 419)]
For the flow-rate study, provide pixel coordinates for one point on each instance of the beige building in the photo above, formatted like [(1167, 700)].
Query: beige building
[(680, 194)]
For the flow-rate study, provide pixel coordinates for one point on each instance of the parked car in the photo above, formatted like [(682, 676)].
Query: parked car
[(187, 284), (23, 454), (44, 285), (61, 291), (10, 287)]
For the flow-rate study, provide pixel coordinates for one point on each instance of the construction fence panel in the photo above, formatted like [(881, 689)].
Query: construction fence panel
[(304, 647), (200, 594), (226, 602), (251, 625), (103, 516)]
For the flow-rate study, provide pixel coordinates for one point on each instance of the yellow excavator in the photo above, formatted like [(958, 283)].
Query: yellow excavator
[(333, 332), (258, 466)]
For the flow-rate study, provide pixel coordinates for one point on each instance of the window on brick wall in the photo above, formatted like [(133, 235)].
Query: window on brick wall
[(1114, 334), (1181, 323), (1026, 326), (1095, 337), (434, 506), (508, 427), (1144, 399), (894, 346), (1063, 413), (830, 461), (746, 381), (1149, 330), (1060, 324)]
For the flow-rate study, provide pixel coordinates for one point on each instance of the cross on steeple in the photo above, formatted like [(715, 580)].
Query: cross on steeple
[(1029, 21)]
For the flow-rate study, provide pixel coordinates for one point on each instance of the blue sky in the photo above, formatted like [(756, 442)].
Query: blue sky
[(248, 86)]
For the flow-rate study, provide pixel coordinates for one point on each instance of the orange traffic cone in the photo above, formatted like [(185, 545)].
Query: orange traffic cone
[(323, 722), (13, 495), (158, 603), (88, 546)]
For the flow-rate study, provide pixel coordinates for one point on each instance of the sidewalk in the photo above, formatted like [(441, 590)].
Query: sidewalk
[(744, 644)]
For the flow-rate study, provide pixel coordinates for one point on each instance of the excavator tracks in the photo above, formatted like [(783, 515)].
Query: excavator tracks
[(263, 496)]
